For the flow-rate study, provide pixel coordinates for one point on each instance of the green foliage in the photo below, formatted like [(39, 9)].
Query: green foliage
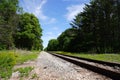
[(7, 61), (8, 58), (29, 32), (53, 44), (3, 46), (65, 39), (8, 22), (16, 29), (96, 29), (24, 72)]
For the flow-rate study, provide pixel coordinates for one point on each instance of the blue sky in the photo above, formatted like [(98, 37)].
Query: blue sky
[(54, 15)]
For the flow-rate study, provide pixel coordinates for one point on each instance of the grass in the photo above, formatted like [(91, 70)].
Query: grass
[(34, 76), (24, 72), (8, 58), (23, 56), (103, 57), (7, 62)]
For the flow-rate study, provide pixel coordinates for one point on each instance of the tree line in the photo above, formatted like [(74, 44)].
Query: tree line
[(96, 29), (17, 28)]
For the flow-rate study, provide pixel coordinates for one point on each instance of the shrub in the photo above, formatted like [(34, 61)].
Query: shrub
[(7, 62), (2, 46)]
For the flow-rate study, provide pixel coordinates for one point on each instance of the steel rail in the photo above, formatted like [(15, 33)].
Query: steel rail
[(75, 60)]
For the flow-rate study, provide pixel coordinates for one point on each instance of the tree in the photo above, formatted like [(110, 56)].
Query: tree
[(65, 40), (98, 26), (116, 24), (52, 45), (96, 29), (28, 33), (8, 22)]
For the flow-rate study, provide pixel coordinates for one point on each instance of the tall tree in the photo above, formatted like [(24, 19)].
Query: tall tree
[(99, 25), (28, 33), (8, 22), (96, 29), (116, 23)]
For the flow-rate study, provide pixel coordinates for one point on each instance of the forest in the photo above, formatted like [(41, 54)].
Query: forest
[(18, 29), (96, 29)]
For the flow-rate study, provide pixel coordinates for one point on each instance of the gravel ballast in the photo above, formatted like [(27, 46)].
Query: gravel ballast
[(53, 68)]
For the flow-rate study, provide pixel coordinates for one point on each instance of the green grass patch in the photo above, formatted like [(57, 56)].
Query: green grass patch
[(8, 58), (103, 57), (23, 56), (24, 72), (7, 62)]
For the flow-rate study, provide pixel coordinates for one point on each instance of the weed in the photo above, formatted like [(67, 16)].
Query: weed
[(8, 58), (34, 76), (24, 72), (7, 62), (23, 56)]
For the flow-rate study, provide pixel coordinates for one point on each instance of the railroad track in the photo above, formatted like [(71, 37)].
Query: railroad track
[(108, 69)]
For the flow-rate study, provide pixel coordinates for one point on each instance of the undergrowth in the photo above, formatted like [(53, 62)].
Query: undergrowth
[(24, 72), (9, 58), (7, 62), (23, 56)]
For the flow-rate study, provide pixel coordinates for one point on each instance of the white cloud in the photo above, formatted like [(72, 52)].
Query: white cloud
[(50, 20), (37, 8), (73, 11)]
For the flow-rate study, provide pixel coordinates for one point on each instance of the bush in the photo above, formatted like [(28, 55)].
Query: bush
[(7, 62), (2, 46)]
